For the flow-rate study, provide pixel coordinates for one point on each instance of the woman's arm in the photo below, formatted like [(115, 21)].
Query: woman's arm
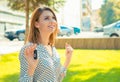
[(27, 63), (68, 55), (24, 77)]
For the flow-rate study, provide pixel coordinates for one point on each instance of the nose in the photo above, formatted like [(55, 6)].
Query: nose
[(52, 21)]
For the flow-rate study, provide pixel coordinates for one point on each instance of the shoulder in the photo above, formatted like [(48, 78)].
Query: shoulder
[(54, 49), (55, 52)]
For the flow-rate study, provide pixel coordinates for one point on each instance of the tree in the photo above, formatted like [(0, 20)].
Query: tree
[(29, 5), (27, 19), (20, 4), (110, 12)]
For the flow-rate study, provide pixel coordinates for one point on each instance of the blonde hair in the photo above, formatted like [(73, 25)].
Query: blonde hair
[(34, 34)]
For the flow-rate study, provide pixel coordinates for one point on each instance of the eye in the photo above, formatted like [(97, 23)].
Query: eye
[(54, 17), (46, 18)]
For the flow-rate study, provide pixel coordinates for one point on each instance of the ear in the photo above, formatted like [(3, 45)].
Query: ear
[(36, 24)]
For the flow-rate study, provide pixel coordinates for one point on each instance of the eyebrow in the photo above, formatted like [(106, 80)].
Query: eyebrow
[(49, 16)]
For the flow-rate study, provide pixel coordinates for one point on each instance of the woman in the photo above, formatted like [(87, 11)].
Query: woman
[(46, 67)]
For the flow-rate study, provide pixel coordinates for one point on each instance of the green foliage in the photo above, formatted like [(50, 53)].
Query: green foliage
[(20, 4), (86, 66), (110, 12), (14, 4)]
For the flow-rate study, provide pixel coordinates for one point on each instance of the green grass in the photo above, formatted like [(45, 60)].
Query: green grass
[(86, 66), (9, 68)]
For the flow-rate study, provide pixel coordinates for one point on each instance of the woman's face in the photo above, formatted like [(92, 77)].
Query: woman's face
[(46, 23)]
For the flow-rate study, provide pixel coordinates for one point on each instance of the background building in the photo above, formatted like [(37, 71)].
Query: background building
[(80, 13), (86, 15), (9, 19), (70, 14)]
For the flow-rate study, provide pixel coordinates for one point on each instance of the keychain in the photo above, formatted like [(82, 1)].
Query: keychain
[(35, 54)]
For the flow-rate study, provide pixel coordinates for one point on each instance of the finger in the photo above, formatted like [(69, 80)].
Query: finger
[(34, 47), (66, 44), (26, 52), (29, 49), (69, 48)]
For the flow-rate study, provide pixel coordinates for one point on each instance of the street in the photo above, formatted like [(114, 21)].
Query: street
[(86, 35), (7, 46)]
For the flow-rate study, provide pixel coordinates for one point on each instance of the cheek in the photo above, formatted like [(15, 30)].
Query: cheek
[(42, 25), (56, 26)]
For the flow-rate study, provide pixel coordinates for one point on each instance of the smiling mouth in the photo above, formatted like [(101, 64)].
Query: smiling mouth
[(51, 27)]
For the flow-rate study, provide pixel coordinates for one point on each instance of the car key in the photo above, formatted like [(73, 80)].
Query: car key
[(35, 54)]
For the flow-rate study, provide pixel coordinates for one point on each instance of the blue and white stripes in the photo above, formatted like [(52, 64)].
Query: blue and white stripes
[(48, 70)]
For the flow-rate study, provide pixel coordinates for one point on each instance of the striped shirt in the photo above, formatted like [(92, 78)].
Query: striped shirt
[(48, 69)]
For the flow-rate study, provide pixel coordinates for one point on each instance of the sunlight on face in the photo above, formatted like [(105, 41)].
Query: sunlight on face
[(47, 22)]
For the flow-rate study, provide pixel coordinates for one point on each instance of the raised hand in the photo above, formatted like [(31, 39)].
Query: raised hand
[(68, 54), (29, 55), (69, 51)]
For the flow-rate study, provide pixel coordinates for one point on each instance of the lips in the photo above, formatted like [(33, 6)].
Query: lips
[(51, 27)]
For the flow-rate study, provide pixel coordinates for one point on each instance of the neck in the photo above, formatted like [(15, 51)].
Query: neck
[(44, 40)]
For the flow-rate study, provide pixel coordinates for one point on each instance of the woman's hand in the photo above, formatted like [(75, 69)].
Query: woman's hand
[(29, 55), (68, 54)]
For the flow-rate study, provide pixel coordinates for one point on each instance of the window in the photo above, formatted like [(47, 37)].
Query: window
[(118, 25)]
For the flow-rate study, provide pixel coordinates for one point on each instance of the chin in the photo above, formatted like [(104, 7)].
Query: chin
[(51, 30)]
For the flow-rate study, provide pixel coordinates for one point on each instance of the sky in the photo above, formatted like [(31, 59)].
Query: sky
[(96, 4)]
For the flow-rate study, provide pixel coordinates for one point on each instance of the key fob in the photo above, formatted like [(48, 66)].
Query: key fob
[(35, 54)]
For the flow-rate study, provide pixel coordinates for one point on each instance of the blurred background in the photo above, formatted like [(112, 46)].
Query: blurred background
[(84, 16), (77, 19), (92, 27)]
